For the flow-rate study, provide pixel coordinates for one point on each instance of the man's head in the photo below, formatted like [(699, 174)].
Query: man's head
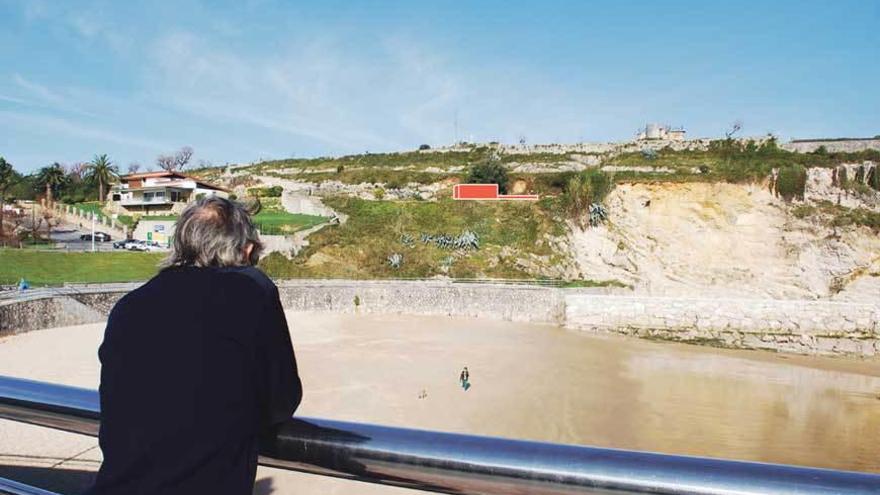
[(217, 232)]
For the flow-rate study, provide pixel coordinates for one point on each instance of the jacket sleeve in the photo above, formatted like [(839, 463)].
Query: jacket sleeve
[(279, 389)]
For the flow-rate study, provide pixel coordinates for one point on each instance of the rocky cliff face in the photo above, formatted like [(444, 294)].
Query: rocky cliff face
[(726, 240)]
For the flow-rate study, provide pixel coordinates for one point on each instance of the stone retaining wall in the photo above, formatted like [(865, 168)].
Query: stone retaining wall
[(514, 303), (832, 146), (807, 327), (24, 316)]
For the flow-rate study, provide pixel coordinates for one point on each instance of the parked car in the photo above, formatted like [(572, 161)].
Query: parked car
[(133, 245), (99, 237), (120, 244), (154, 247)]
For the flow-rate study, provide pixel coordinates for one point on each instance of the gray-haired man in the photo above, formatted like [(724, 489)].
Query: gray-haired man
[(196, 365)]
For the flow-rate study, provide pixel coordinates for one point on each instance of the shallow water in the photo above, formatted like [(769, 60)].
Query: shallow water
[(545, 383)]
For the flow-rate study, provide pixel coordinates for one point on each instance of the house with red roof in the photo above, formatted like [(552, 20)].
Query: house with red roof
[(156, 193)]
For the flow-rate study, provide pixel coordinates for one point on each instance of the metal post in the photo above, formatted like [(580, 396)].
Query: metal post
[(93, 232)]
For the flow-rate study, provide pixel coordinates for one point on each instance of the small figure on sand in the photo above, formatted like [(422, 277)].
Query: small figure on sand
[(423, 394), (464, 378)]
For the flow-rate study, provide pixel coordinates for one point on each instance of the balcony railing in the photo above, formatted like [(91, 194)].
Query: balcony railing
[(464, 464), (145, 201)]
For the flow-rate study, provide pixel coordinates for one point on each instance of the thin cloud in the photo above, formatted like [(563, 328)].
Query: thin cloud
[(41, 123), (12, 99), (38, 90)]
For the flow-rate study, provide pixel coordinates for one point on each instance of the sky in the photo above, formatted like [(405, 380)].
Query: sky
[(247, 80)]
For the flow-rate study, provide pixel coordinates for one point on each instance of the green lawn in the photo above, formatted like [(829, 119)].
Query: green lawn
[(270, 221), (48, 268), (282, 222)]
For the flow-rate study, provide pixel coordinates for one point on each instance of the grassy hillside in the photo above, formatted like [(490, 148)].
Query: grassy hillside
[(377, 229)]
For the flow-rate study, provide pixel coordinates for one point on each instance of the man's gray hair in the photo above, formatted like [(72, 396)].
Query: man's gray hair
[(214, 231)]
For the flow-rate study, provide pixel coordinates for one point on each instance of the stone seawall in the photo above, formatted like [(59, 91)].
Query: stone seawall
[(514, 303), (806, 327)]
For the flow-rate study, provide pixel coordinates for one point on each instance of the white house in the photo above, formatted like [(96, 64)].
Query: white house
[(156, 193)]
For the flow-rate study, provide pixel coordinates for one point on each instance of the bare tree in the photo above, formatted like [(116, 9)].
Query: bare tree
[(177, 161), (736, 127), (182, 157), (76, 171), (133, 168), (166, 163)]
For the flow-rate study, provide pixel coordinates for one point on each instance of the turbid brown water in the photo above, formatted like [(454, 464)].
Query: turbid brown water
[(528, 381)]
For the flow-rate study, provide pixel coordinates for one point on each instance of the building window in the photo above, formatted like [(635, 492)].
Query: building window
[(116, 197)]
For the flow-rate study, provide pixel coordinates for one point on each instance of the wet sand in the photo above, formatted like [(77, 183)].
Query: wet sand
[(528, 381)]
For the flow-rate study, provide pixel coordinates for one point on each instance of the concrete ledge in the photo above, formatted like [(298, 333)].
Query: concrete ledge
[(807, 327)]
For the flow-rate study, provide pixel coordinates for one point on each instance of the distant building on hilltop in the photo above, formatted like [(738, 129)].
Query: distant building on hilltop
[(658, 132)]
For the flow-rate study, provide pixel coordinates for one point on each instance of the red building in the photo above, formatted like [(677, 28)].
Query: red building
[(486, 192)]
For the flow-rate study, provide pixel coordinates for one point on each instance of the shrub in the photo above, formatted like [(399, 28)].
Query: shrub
[(583, 190), (873, 178), (860, 175), (266, 192), (489, 172), (379, 193), (340, 168), (791, 182), (233, 197), (395, 260)]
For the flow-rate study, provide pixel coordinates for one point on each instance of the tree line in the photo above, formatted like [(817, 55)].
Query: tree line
[(78, 182)]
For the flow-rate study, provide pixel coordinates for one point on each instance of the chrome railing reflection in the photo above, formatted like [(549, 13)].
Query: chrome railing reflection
[(10, 487), (463, 464)]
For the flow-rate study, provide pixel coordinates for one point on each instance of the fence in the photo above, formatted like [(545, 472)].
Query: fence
[(463, 464)]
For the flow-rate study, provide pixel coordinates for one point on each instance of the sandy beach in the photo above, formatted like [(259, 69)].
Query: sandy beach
[(528, 381)]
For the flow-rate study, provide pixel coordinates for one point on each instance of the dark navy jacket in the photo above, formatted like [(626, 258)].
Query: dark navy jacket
[(196, 365)]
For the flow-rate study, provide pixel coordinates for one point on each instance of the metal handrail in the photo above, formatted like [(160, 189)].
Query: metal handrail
[(464, 464), (10, 487)]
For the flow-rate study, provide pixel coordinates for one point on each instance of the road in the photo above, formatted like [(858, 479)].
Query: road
[(67, 235)]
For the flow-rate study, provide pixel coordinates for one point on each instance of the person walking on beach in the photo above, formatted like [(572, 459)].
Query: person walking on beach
[(196, 365), (464, 378)]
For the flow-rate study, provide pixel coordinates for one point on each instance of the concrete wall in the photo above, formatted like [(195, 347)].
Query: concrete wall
[(144, 226), (61, 309), (514, 303), (850, 145), (809, 327), (799, 326), (83, 219)]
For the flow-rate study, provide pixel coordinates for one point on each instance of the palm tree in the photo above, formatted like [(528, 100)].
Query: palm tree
[(51, 176), (102, 170), (8, 177)]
